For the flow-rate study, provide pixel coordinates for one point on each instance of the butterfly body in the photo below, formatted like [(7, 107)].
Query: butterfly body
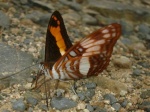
[(89, 57)]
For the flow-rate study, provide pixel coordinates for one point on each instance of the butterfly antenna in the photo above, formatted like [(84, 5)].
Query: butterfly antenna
[(17, 72)]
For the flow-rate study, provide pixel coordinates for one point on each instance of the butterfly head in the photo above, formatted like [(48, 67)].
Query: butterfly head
[(46, 68), (46, 65)]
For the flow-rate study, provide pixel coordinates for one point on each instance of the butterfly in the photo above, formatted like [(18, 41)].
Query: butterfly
[(87, 58)]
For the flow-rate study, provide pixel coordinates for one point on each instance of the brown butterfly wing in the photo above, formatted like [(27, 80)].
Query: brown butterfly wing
[(57, 39), (90, 56)]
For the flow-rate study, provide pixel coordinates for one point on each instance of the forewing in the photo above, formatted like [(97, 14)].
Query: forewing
[(57, 40), (90, 56)]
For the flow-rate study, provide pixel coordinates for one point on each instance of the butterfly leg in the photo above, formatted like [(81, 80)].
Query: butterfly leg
[(57, 83), (34, 82), (74, 87), (46, 91)]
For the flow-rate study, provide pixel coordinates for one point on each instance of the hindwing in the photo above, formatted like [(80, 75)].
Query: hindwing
[(90, 56)]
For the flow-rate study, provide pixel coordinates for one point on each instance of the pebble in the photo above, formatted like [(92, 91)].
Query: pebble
[(75, 97), (43, 20), (30, 79), (116, 106), (123, 93), (33, 95), (146, 2), (122, 110), (110, 98), (146, 81), (127, 28), (139, 46), (90, 108), (72, 16), (15, 31), (126, 41), (14, 64), (32, 101), (62, 103), (86, 110), (27, 41), (145, 105), (28, 86), (90, 85), (89, 20), (110, 84), (32, 49), (4, 20), (143, 28), (59, 92), (38, 34), (43, 107), (144, 64), (19, 105), (111, 6), (30, 109), (81, 106), (145, 94), (147, 73), (136, 72), (28, 31), (143, 36), (81, 96), (35, 17), (1, 97), (24, 2), (71, 4), (89, 94), (122, 62), (4, 5), (124, 103), (98, 109), (5, 110), (44, 5), (134, 100)]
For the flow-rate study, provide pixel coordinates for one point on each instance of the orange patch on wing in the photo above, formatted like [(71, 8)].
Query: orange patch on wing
[(55, 31)]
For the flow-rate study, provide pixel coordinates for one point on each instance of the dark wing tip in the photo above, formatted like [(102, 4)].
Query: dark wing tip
[(56, 13)]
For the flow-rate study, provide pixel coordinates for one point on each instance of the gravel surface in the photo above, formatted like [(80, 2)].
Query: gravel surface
[(124, 86)]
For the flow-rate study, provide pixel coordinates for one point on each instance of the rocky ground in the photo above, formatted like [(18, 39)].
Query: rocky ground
[(124, 86)]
